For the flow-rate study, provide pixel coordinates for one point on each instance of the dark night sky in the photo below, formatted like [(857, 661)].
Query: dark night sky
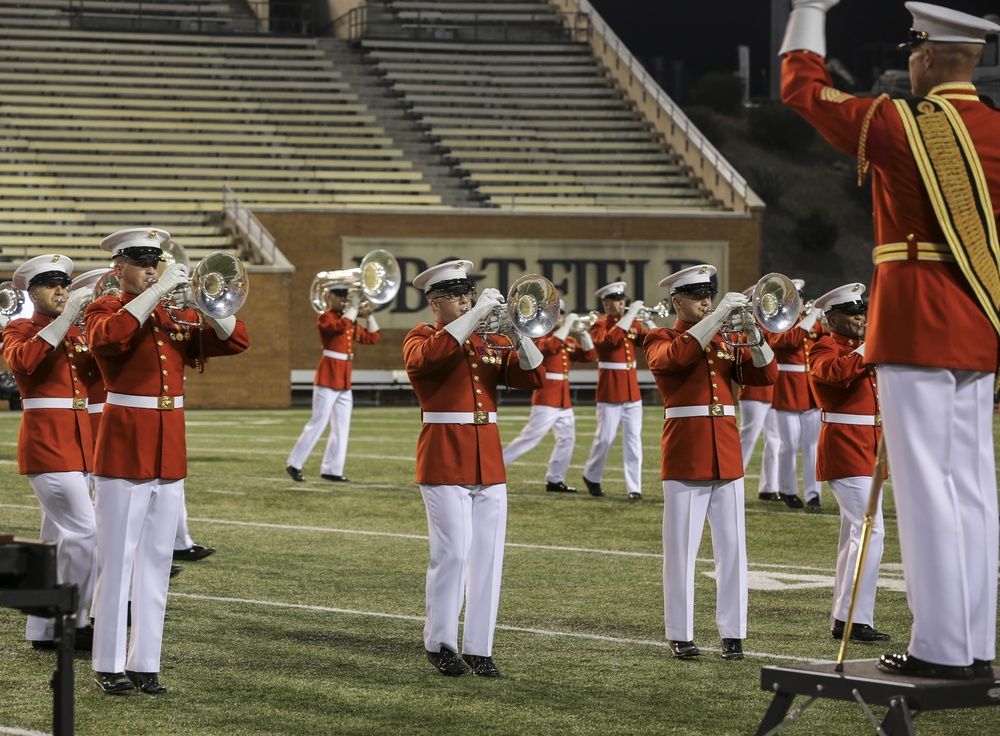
[(704, 34)]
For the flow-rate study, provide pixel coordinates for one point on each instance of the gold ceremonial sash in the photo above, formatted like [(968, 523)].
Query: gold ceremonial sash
[(953, 175)]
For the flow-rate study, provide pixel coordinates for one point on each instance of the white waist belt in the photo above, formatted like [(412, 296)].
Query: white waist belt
[(460, 417), (616, 366), (868, 420), (77, 404), (791, 368), (95, 408), (338, 356), (163, 403), (710, 410), (557, 376)]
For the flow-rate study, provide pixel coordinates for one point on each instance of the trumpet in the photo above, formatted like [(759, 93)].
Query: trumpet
[(775, 303), (584, 323), (11, 299), (661, 309), (377, 279), (530, 310)]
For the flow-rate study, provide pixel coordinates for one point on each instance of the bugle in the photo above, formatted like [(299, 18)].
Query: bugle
[(775, 305), (377, 279), (661, 309), (530, 310), (11, 299), (585, 322)]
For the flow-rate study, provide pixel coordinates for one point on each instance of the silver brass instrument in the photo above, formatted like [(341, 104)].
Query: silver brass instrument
[(217, 288), (775, 303), (377, 279), (531, 309), (584, 323), (660, 309), (11, 299)]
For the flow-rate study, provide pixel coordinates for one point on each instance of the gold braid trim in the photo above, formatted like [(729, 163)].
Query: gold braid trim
[(863, 162)]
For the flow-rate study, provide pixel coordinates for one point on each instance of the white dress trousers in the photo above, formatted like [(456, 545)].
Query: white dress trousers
[(333, 407), (183, 540), (685, 505), (67, 520), (756, 416), (562, 422), (609, 416), (467, 527), (852, 496), (938, 426), (136, 524), (798, 429)]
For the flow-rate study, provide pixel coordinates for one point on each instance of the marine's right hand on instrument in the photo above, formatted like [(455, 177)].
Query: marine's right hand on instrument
[(487, 300), (77, 302), (634, 307), (731, 301), (173, 276)]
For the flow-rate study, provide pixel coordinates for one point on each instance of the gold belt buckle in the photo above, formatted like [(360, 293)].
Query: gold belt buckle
[(480, 417), (350, 356), (166, 403), (878, 420), (716, 410), (79, 404), (629, 366)]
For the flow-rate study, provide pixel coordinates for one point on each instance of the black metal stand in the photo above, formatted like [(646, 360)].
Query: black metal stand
[(60, 603), (863, 683)]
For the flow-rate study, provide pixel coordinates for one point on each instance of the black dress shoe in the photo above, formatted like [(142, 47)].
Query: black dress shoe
[(334, 478), (295, 473), (683, 649), (732, 649), (813, 504), (594, 488), (146, 682), (859, 632), (175, 570), (83, 642), (448, 663), (791, 500), (193, 553), (559, 487), (634, 496), (481, 666), (113, 683), (768, 496), (982, 668), (909, 666)]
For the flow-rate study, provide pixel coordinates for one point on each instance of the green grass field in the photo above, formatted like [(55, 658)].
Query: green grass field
[(308, 620)]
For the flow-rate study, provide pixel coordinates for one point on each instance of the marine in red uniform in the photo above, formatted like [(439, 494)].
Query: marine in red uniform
[(333, 400), (934, 326), (141, 455), (702, 465), (460, 467), (55, 446), (551, 406), (852, 424), (617, 337)]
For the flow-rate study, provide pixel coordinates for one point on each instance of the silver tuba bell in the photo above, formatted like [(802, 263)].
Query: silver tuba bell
[(774, 303), (531, 309), (11, 299), (377, 278)]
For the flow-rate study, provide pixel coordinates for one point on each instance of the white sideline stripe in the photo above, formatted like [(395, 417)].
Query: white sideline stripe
[(519, 629), (22, 732)]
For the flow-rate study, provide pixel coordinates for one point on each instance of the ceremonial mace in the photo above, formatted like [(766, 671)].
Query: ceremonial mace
[(878, 474)]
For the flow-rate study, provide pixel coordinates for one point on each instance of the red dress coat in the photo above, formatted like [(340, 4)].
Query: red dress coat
[(338, 335), (844, 385), (449, 376), (147, 360), (50, 440), (755, 393), (614, 345), (700, 448), (557, 356), (793, 390), (921, 312)]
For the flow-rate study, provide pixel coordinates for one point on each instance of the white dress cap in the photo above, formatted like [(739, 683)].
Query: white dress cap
[(88, 279), (612, 289), (944, 25), (447, 271), (135, 237), (848, 295), (688, 279), (45, 264)]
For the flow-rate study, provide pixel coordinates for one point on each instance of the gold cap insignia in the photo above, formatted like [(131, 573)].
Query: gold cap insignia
[(55, 258), (703, 269), (856, 287), (152, 234), (458, 266)]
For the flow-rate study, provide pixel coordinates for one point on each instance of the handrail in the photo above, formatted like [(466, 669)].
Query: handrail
[(356, 19), (704, 146), (248, 226)]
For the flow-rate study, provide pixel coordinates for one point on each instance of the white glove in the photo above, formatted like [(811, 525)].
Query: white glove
[(586, 341), (762, 355), (529, 356), (372, 324), (705, 330), (860, 350), (625, 323), (650, 325), (465, 325), (809, 321), (563, 332), (77, 302), (143, 305), (806, 28), (223, 327)]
